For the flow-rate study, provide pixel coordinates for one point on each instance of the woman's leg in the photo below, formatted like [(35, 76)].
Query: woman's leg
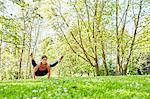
[(33, 63), (54, 64)]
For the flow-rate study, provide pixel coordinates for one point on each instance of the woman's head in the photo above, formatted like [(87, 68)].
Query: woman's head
[(44, 59)]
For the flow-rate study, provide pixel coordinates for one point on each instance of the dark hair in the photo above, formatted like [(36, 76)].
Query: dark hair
[(44, 56)]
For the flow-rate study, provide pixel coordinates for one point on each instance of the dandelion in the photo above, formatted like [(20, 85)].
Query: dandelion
[(40, 90), (5, 87), (5, 97), (49, 94), (34, 90), (65, 90), (120, 90), (137, 84), (87, 83), (59, 89), (44, 89), (34, 98)]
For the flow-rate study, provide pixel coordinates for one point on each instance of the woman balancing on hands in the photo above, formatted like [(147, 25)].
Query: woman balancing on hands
[(43, 67)]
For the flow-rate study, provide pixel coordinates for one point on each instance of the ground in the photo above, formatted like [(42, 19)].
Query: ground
[(110, 87)]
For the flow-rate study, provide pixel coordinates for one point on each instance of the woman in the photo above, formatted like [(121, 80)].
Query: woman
[(43, 67)]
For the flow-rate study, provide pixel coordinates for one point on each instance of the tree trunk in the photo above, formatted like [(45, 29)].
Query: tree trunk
[(118, 43), (28, 60), (121, 38), (22, 50), (104, 58), (133, 40), (1, 55), (97, 70), (104, 62), (20, 64)]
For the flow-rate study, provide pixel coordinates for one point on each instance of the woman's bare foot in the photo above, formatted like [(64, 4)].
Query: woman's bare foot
[(61, 57), (31, 55)]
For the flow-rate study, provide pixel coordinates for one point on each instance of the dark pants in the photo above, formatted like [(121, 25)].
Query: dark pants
[(44, 72)]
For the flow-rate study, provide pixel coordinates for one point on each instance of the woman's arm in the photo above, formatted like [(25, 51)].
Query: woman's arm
[(34, 70), (49, 71), (56, 62)]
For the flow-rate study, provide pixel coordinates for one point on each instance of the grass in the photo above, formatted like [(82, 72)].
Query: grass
[(110, 87)]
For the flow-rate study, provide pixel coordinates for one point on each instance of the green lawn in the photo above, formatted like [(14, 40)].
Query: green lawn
[(116, 87)]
